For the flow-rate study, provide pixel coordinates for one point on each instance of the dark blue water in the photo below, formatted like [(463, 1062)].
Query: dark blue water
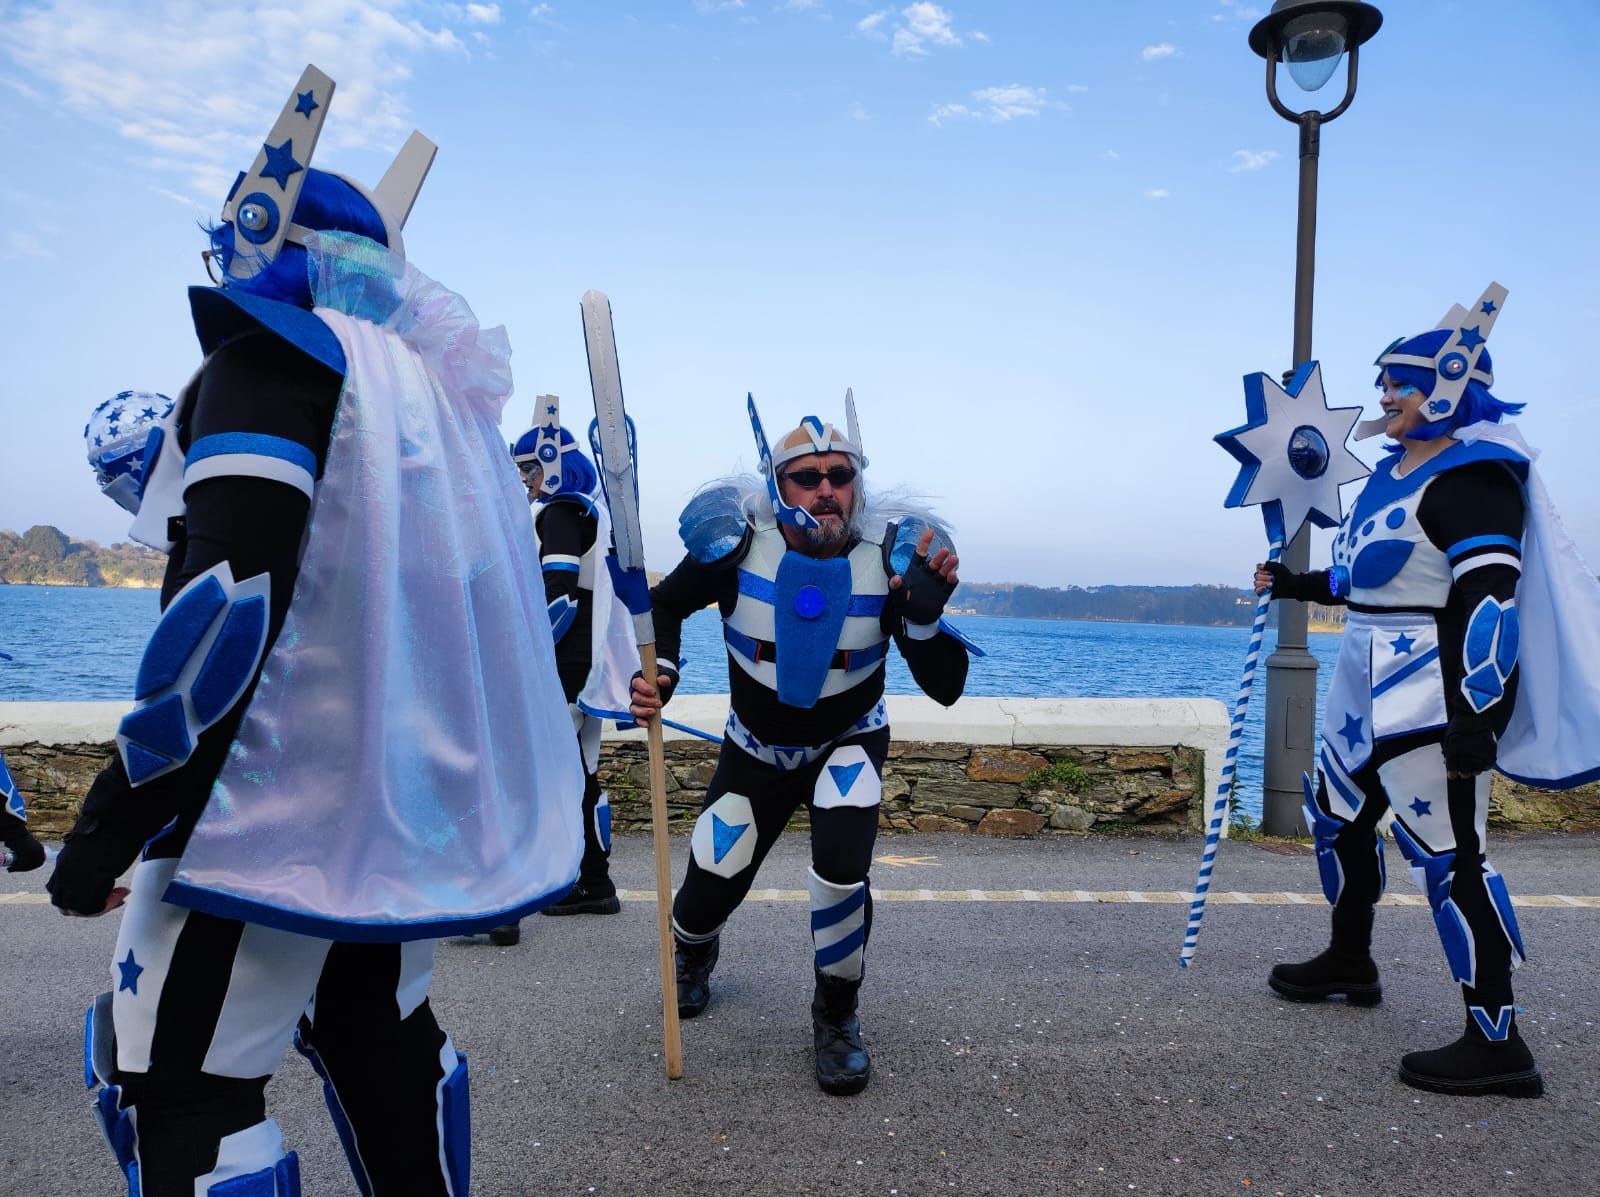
[(73, 643)]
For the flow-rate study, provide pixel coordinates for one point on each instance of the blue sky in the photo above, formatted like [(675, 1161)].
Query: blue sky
[(1042, 241)]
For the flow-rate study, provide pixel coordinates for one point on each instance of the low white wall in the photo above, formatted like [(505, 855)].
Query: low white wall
[(1121, 722)]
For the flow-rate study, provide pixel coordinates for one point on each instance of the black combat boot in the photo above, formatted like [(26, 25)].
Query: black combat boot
[(587, 897), (843, 1066), (1346, 967), (694, 964), (1476, 1066)]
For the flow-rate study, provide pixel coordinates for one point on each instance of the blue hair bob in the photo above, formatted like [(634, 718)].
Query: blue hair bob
[(1477, 403), (326, 202)]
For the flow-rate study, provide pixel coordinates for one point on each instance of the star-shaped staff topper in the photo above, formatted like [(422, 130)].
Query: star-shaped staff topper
[(1294, 453)]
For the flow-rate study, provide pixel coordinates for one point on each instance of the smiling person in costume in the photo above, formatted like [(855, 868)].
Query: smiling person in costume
[(812, 581), (1453, 662), (345, 685)]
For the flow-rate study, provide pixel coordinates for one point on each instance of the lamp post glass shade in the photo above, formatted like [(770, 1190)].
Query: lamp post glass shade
[(1310, 36)]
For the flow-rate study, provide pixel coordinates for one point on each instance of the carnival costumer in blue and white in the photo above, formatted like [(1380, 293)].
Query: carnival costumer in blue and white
[(595, 653), (1469, 645), (813, 579), (344, 744)]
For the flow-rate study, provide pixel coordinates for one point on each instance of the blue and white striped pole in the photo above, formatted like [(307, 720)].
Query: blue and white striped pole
[(1219, 801)]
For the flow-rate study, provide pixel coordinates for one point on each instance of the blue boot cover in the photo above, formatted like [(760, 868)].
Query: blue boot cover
[(1433, 875), (99, 1062), (838, 926), (602, 822), (455, 1119), (201, 657), (1324, 830), (252, 1163), (341, 1121), (1501, 897)]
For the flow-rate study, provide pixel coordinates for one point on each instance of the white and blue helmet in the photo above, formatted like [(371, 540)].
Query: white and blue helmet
[(123, 438)]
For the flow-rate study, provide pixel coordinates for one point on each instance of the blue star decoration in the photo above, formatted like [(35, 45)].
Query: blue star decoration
[(148, 413), (1402, 644), (550, 430), (550, 409), (305, 103), (1351, 731), (280, 163), (1420, 808), (1471, 338), (1489, 308), (130, 969), (1293, 453)]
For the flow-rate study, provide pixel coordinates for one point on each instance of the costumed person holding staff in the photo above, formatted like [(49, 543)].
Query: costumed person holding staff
[(348, 677), (1469, 646), (812, 581), (595, 654)]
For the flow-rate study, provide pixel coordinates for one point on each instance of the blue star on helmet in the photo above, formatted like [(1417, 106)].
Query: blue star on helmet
[(130, 970), (1471, 338), (305, 103), (551, 430), (280, 163), (1420, 808), (1292, 452), (550, 410), (1402, 644), (148, 413), (1489, 307), (1351, 731)]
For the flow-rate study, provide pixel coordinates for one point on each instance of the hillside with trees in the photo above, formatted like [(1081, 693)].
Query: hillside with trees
[(46, 556)]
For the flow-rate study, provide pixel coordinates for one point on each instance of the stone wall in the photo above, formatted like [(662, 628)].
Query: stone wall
[(998, 766)]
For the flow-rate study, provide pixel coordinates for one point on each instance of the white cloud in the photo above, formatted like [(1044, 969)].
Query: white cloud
[(20, 244), (858, 113), (1157, 52), (483, 14), (717, 5), (997, 105), (1245, 160), (196, 91), (1077, 89), (921, 25), (799, 5), (1157, 193), (540, 11), (1113, 155), (869, 24), (1235, 11)]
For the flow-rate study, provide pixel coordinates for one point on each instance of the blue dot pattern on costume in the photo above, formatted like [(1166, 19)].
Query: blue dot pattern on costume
[(809, 602), (1395, 518)]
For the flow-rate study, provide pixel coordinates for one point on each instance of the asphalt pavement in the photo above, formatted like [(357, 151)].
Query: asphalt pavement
[(1030, 1031)]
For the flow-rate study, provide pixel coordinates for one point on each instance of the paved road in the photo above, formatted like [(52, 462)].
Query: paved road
[(1029, 1036)]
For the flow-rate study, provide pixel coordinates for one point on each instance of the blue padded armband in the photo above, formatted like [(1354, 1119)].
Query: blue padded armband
[(713, 526), (201, 657), (562, 612), (1489, 652)]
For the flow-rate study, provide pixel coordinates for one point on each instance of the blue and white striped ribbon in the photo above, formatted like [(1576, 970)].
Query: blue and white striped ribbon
[(1219, 801)]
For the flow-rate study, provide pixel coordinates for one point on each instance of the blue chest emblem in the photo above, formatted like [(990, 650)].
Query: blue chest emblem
[(811, 598)]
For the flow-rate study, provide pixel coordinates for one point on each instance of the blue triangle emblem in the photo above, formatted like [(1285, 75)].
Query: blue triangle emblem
[(724, 836), (844, 776)]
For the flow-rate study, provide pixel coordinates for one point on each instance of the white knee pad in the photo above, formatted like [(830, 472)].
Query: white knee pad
[(848, 778), (724, 841)]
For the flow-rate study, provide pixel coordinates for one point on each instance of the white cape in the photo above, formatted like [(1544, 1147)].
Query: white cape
[(614, 656), (1553, 738), (405, 768)]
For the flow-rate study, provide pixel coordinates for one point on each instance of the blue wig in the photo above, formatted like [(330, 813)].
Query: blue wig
[(1477, 403), (326, 202), (578, 475)]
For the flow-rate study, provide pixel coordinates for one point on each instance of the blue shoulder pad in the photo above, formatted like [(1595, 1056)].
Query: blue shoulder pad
[(960, 637), (714, 528), (222, 313), (200, 658), (901, 544), (583, 502)]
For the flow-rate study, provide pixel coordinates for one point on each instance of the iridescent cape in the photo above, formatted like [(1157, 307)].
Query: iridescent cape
[(405, 769)]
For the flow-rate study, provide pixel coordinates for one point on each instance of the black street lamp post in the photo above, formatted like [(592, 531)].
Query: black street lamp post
[(1309, 37)]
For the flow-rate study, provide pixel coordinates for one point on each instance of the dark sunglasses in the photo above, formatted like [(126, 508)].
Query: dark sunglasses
[(811, 479)]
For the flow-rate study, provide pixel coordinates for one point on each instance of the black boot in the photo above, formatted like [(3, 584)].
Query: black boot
[(1476, 1066), (508, 936), (1329, 974), (843, 1065), (587, 897), (694, 964)]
